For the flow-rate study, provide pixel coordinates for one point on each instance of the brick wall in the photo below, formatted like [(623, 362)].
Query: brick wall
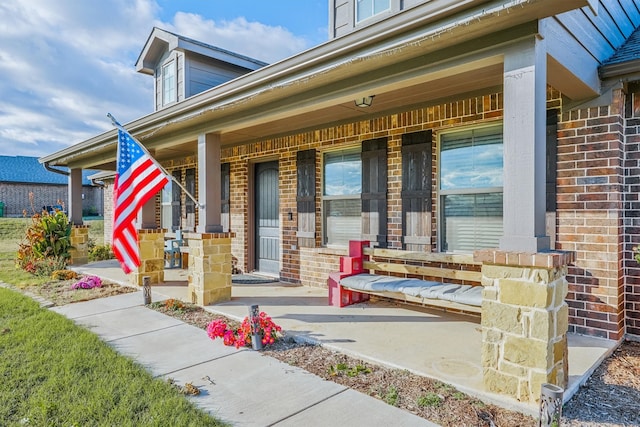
[(300, 265), (589, 215), (631, 219), (15, 197)]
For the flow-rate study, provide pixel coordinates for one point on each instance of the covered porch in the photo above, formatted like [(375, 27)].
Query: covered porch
[(437, 344)]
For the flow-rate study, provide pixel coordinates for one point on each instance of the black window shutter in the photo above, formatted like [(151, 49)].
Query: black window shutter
[(416, 190), (306, 197), (374, 191)]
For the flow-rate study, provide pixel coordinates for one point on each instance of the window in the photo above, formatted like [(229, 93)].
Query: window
[(342, 207), (471, 181), (367, 8), (169, 83)]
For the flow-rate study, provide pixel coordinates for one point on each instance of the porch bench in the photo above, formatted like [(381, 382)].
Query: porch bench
[(449, 281)]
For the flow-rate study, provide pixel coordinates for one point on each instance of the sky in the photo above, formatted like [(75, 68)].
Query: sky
[(65, 64)]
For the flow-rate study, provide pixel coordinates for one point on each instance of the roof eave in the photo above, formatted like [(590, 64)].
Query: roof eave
[(620, 69), (321, 58)]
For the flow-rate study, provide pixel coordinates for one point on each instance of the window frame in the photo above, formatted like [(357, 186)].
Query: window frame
[(359, 20), (324, 198), (169, 65), (462, 191)]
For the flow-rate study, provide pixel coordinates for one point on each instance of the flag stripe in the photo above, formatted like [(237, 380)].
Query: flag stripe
[(129, 202), (138, 179)]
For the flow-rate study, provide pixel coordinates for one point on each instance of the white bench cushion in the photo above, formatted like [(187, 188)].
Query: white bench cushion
[(463, 294)]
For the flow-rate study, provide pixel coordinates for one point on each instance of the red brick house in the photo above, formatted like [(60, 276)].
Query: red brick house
[(426, 125)]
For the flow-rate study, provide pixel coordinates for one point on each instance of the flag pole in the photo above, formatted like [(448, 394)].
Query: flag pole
[(191, 196)]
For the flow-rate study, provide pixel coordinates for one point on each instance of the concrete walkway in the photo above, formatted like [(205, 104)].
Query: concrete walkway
[(241, 387), (433, 343)]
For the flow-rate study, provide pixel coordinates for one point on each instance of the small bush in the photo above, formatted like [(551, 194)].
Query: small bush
[(100, 253), (174, 304), (64, 275), (47, 243)]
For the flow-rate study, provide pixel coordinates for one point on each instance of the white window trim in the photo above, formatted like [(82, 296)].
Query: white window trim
[(172, 62), (369, 19), (440, 193)]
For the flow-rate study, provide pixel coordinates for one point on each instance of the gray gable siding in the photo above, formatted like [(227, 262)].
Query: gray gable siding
[(600, 35), (580, 41), (201, 74)]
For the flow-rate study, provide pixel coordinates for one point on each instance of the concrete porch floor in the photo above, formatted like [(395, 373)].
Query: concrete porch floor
[(433, 343)]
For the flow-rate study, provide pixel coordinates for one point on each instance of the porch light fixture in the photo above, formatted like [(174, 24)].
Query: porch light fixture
[(364, 101)]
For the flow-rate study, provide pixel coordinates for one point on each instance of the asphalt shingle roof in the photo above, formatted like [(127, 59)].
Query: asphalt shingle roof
[(28, 170), (629, 51)]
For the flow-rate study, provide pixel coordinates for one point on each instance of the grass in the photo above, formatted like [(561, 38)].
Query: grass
[(53, 372), (12, 231), (56, 373)]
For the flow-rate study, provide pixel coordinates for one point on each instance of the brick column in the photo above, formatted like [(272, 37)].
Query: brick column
[(524, 321), (209, 267), (79, 244), (151, 245)]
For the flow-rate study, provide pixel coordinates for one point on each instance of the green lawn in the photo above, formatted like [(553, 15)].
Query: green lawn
[(54, 373)]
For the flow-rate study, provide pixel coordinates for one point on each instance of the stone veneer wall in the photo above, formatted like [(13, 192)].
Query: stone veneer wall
[(524, 321), (209, 267), (590, 214), (151, 245), (79, 245)]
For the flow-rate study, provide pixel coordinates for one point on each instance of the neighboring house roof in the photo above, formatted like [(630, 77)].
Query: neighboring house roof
[(625, 60), (22, 169), (160, 41)]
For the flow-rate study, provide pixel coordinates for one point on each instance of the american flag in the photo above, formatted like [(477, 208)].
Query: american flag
[(138, 179)]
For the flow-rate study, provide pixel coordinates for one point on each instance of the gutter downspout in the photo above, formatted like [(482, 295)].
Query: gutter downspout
[(54, 170)]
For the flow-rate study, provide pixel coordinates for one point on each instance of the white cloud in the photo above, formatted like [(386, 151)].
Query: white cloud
[(252, 39), (65, 64)]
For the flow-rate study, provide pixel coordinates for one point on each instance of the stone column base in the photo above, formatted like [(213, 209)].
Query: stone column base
[(209, 267), (79, 245), (151, 246), (524, 322)]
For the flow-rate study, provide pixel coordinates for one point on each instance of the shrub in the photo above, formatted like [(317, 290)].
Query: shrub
[(174, 304), (47, 244), (64, 275), (100, 252)]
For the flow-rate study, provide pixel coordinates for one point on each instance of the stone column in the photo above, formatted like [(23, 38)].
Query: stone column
[(79, 244), (209, 267), (151, 246), (524, 321)]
